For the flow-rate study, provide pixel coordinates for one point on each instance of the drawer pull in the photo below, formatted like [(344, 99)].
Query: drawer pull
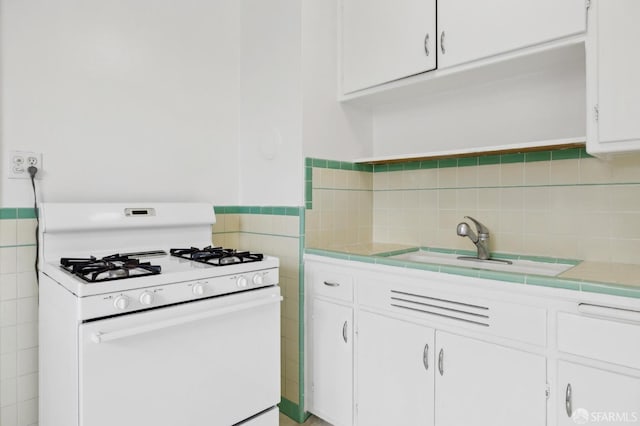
[(441, 362), (331, 284), (426, 44), (344, 332), (567, 401), (609, 312)]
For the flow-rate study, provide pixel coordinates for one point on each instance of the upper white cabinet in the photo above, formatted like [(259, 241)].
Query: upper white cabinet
[(613, 77), (385, 40), (474, 29)]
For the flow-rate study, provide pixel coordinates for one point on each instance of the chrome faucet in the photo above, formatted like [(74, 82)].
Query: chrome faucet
[(481, 240)]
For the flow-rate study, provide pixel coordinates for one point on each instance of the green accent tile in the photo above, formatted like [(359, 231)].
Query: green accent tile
[(486, 160), (455, 270), (308, 162), (233, 210), (378, 168), (280, 211), (365, 168), (447, 162), (8, 213), (391, 262), (505, 256), (395, 167), (397, 252), (467, 161), (308, 188), (26, 213), (218, 209), (292, 410), (612, 290), (346, 166), (429, 164), (412, 165), (360, 258), (585, 154), (308, 174), (317, 162), (293, 211), (254, 210), (439, 250), (552, 282), (566, 154), (470, 253), (332, 164), (266, 210), (541, 259), (530, 157), (431, 267), (502, 276), (308, 205), (512, 158)]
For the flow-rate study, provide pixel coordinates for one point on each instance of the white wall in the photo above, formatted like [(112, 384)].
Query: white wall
[(271, 162), (126, 99), (331, 130), (540, 106)]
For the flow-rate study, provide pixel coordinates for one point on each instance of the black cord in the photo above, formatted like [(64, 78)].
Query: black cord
[(32, 172)]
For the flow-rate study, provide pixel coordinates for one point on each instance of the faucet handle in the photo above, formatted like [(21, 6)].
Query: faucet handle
[(479, 226)]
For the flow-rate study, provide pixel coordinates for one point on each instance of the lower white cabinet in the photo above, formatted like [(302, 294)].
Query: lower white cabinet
[(332, 362), (395, 371), (589, 395), (487, 384)]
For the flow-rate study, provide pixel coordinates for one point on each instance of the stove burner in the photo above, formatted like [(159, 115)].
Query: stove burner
[(216, 256), (109, 268)]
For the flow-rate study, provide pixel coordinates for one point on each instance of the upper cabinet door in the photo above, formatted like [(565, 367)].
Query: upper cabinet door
[(613, 77), (385, 40), (474, 29)]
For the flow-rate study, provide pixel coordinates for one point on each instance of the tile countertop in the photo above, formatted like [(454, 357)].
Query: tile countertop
[(594, 277)]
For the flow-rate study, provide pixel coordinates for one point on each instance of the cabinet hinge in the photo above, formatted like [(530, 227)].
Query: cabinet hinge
[(596, 113), (547, 390)]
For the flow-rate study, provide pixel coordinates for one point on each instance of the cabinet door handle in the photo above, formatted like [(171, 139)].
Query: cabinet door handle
[(441, 362), (425, 357), (442, 43), (344, 332), (567, 401), (331, 284), (426, 44)]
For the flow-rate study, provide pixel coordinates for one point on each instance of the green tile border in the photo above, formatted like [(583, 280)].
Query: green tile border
[(509, 277), (267, 210), (17, 213), (293, 410)]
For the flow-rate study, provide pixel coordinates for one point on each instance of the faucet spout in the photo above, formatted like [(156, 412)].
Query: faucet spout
[(481, 240)]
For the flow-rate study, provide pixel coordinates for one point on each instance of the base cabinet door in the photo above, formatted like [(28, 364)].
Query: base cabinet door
[(479, 383), (395, 373), (332, 362), (592, 396)]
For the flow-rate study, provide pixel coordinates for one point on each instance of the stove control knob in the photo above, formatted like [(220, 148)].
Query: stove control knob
[(198, 289), (258, 279), (242, 282), (121, 302), (146, 298)]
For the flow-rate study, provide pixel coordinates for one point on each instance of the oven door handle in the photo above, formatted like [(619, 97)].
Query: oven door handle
[(100, 337)]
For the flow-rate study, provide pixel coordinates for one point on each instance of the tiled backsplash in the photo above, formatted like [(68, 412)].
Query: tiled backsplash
[(277, 231), (560, 203), (18, 319)]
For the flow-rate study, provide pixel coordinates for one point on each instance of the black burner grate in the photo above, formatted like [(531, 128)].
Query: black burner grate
[(216, 256), (109, 268)]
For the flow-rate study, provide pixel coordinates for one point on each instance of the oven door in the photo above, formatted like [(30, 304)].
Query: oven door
[(211, 362)]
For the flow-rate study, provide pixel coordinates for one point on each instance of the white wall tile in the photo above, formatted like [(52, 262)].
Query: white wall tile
[(27, 387), (8, 365), (8, 259), (8, 232), (9, 415), (26, 231), (28, 412), (27, 361), (8, 392), (8, 286)]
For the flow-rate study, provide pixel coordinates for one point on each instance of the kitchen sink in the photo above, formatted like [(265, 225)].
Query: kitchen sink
[(516, 266)]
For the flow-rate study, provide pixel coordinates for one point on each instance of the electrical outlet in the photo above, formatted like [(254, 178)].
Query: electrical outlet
[(20, 161)]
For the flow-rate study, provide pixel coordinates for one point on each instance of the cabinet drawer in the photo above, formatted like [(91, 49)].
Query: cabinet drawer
[(331, 282), (607, 340)]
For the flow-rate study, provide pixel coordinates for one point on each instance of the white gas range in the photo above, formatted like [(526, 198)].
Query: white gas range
[(143, 323)]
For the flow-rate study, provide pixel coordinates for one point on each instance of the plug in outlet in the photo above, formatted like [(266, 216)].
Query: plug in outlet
[(20, 161)]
